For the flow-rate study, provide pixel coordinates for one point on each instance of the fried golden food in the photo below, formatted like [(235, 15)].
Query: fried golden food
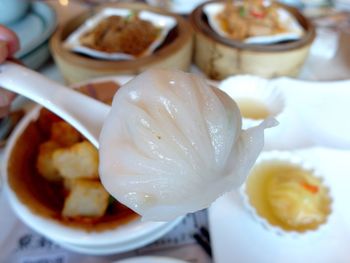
[(86, 198), (116, 34), (45, 164), (64, 134), (78, 200), (78, 161)]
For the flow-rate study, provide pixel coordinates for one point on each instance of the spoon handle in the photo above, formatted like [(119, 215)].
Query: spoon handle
[(84, 113)]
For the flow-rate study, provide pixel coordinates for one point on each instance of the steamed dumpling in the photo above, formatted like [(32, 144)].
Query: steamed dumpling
[(172, 145)]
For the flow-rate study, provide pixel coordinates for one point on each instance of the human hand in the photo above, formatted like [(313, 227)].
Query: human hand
[(9, 44)]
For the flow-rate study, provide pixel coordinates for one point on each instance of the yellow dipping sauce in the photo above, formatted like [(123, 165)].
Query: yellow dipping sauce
[(288, 196), (252, 109)]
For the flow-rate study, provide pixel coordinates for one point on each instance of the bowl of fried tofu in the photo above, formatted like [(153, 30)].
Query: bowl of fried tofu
[(52, 183)]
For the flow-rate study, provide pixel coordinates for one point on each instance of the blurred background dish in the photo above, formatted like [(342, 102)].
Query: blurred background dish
[(34, 30), (175, 52), (146, 29), (342, 4), (176, 6), (66, 10), (37, 57), (253, 24), (12, 10), (219, 57)]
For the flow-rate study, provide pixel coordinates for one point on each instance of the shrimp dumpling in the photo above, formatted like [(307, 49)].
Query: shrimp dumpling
[(172, 144)]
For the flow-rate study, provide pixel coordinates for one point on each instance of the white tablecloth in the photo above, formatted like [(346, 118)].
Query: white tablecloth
[(329, 60)]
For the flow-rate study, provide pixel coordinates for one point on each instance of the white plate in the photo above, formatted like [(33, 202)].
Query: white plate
[(342, 4), (7, 218), (165, 23), (124, 246), (237, 237), (35, 28), (320, 111), (295, 31)]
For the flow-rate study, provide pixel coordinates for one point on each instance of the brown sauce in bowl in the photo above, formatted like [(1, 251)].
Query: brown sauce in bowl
[(46, 198)]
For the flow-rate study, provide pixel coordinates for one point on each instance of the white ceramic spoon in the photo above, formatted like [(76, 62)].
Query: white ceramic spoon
[(84, 113)]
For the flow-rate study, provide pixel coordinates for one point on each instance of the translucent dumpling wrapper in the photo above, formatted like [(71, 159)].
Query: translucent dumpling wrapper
[(172, 144)]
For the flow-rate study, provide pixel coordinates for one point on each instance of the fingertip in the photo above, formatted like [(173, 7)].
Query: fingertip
[(3, 51), (11, 39)]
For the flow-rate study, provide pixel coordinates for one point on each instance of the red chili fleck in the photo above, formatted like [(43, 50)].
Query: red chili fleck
[(311, 188), (257, 14)]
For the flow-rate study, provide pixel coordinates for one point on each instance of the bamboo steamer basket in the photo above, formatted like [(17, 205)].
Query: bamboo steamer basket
[(174, 53), (219, 57)]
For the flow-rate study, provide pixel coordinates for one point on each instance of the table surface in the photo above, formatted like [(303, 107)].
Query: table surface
[(329, 60)]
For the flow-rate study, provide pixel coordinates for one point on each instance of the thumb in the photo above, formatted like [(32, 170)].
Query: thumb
[(3, 51), (11, 40)]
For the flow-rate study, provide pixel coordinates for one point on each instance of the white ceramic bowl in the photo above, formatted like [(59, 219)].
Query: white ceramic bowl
[(294, 160), (122, 238), (256, 90), (150, 259)]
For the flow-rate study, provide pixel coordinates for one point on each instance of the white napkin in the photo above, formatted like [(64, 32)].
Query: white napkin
[(322, 109)]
